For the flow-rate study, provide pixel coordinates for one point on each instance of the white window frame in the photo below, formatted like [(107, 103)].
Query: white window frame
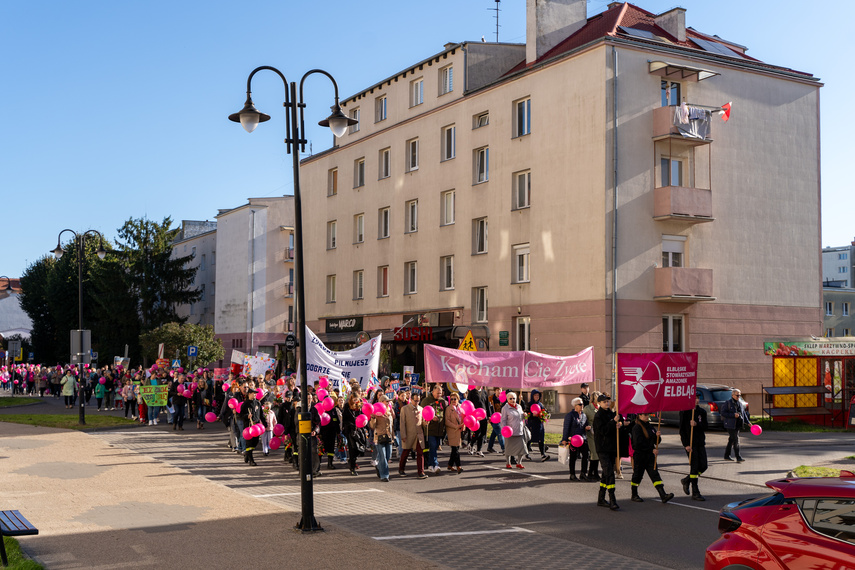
[(447, 208), (449, 144), (359, 172), (381, 108), (384, 223), (354, 114), (522, 190), (383, 281), (521, 268), (359, 228), (332, 182), (411, 278), (330, 288), (481, 165), (446, 80), (417, 92), (673, 251), (480, 120), (829, 333), (446, 273), (412, 155), (667, 166), (522, 117), (845, 307), (843, 269), (668, 333), (411, 216), (385, 163), (829, 308), (331, 234), (358, 284), (522, 333), (674, 98), (479, 305), (480, 236)]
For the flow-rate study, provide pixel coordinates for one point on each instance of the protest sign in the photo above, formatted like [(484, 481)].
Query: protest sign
[(656, 382), (360, 363), (154, 395)]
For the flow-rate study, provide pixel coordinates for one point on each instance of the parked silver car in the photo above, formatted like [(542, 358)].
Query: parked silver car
[(712, 396)]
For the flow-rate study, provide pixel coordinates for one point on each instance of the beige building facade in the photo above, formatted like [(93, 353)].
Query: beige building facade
[(199, 240), (542, 196)]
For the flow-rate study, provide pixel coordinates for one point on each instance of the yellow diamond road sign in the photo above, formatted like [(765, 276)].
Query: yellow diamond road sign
[(468, 343)]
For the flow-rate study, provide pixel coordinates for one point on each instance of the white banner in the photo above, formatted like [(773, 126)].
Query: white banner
[(340, 367)]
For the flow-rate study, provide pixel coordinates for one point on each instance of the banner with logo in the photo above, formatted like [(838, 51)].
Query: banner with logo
[(521, 370), (360, 363), (656, 382)]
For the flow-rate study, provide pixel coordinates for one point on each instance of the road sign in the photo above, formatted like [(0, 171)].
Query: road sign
[(94, 355), (14, 348), (176, 363), (290, 342), (468, 343), (192, 351), (30, 357)]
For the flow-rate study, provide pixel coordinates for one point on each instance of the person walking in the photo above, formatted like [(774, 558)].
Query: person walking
[(594, 460), (644, 458), (576, 423), (495, 405), (351, 411), (330, 433), (608, 426), (478, 397), (67, 384), (535, 424), (513, 416), (734, 416), (382, 426), (436, 427), (412, 437), (453, 428), (693, 427)]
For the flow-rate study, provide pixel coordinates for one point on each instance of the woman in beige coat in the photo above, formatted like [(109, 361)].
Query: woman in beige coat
[(453, 428), (412, 437), (383, 435)]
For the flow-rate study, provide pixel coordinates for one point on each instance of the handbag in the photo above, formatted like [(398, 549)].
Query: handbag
[(564, 454), (526, 434), (384, 439)]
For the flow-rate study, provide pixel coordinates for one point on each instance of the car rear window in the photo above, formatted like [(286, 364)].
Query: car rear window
[(721, 395), (831, 517)]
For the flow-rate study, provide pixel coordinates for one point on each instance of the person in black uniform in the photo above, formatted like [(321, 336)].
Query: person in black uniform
[(285, 416), (644, 458), (329, 434), (586, 399), (607, 427), (250, 414), (693, 427)]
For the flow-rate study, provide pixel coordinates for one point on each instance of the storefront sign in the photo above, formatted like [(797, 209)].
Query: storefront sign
[(350, 324), (808, 348), (656, 382), (414, 334)]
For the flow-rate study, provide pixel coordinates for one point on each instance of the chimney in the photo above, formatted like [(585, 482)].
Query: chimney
[(674, 22), (548, 22)]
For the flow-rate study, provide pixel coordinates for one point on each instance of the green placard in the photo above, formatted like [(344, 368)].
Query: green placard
[(154, 395), (503, 342), (504, 335)]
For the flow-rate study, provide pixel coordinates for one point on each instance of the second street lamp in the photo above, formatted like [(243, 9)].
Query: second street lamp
[(249, 117)]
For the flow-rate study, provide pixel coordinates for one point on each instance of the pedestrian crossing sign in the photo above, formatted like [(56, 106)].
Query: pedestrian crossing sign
[(468, 343)]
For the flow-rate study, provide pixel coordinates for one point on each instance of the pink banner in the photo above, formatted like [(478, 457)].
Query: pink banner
[(520, 370), (656, 382)]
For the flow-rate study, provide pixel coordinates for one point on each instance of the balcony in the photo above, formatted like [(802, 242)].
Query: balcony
[(289, 289), (665, 126), (678, 203), (683, 284), (289, 254)]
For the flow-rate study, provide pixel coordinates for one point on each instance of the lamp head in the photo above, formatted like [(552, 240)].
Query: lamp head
[(102, 253), (57, 253), (249, 116), (338, 121)]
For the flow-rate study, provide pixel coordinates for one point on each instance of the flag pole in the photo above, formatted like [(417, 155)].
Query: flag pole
[(658, 437), (617, 436), (691, 440)]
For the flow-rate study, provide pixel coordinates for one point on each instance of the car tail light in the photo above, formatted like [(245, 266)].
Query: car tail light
[(728, 522), (713, 407)]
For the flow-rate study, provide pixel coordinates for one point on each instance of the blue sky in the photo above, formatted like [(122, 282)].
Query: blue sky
[(116, 109)]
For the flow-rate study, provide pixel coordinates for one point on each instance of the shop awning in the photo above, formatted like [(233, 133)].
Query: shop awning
[(679, 71)]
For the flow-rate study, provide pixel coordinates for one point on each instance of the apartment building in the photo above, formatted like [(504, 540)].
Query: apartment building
[(558, 194), (837, 266), (198, 239)]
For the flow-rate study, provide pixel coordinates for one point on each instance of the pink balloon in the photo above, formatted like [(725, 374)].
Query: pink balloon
[(278, 429), (480, 414), (468, 406), (238, 407), (210, 417), (577, 441), (274, 444), (361, 421), (507, 431), (320, 407), (247, 433), (502, 396), (428, 413), (325, 419), (471, 423), (462, 412), (180, 390), (323, 382), (260, 429), (233, 403), (471, 386), (367, 409), (379, 409), (225, 386), (535, 409), (756, 430), (102, 380), (322, 393), (329, 403), (16, 381), (496, 418)]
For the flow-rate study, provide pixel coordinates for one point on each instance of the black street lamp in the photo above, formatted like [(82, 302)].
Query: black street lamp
[(79, 242), (249, 117)]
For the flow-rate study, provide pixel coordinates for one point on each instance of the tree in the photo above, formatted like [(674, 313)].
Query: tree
[(35, 301), (176, 337)]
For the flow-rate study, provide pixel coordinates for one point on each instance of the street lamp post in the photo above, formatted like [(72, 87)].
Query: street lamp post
[(295, 141), (80, 242)]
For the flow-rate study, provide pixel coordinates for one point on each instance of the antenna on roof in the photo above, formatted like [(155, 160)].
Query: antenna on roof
[(497, 18)]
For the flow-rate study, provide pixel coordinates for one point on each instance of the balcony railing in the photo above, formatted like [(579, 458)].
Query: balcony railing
[(289, 289), (693, 205), (667, 124), (289, 254), (683, 284)]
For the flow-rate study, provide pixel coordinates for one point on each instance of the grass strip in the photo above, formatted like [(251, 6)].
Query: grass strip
[(20, 401), (810, 471), (17, 558), (66, 421)]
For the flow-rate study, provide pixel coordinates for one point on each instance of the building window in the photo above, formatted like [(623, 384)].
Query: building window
[(448, 143), (479, 236), (479, 304), (672, 333), (358, 282), (332, 182), (829, 309), (417, 92), (481, 165), (829, 333), (412, 155), (446, 273), (359, 228), (383, 221), (846, 332), (669, 93), (522, 118), (446, 80), (523, 338), (481, 120), (359, 172), (672, 251), (843, 269), (411, 214), (202, 292), (192, 308), (330, 288), (354, 114), (522, 190), (411, 278), (380, 109), (193, 252), (670, 171), (446, 213), (842, 256), (521, 256), (383, 281), (213, 258), (845, 309), (202, 263), (331, 234), (385, 163), (290, 314)]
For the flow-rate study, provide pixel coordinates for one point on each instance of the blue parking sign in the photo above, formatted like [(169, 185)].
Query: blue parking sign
[(192, 351)]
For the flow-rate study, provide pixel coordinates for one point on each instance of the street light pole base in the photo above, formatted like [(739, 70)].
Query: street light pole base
[(310, 525)]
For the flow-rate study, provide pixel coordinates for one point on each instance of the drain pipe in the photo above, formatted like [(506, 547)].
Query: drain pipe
[(614, 219), (252, 283)]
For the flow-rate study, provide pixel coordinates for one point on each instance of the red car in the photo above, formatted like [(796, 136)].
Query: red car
[(806, 523)]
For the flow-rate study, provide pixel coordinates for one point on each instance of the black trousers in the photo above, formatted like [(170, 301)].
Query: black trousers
[(607, 479), (698, 462), (732, 442), (643, 463), (454, 459), (576, 452)]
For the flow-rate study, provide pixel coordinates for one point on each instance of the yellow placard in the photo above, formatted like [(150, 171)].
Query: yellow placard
[(468, 343), (305, 426)]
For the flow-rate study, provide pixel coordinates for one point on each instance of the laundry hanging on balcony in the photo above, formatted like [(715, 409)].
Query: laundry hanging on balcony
[(692, 121)]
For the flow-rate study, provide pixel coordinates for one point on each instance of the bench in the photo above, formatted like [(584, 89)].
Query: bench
[(12, 523)]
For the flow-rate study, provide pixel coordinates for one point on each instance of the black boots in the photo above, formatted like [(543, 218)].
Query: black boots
[(612, 502), (601, 498), (330, 462), (685, 483), (246, 457), (635, 498), (696, 495), (250, 460), (573, 477), (663, 495)]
